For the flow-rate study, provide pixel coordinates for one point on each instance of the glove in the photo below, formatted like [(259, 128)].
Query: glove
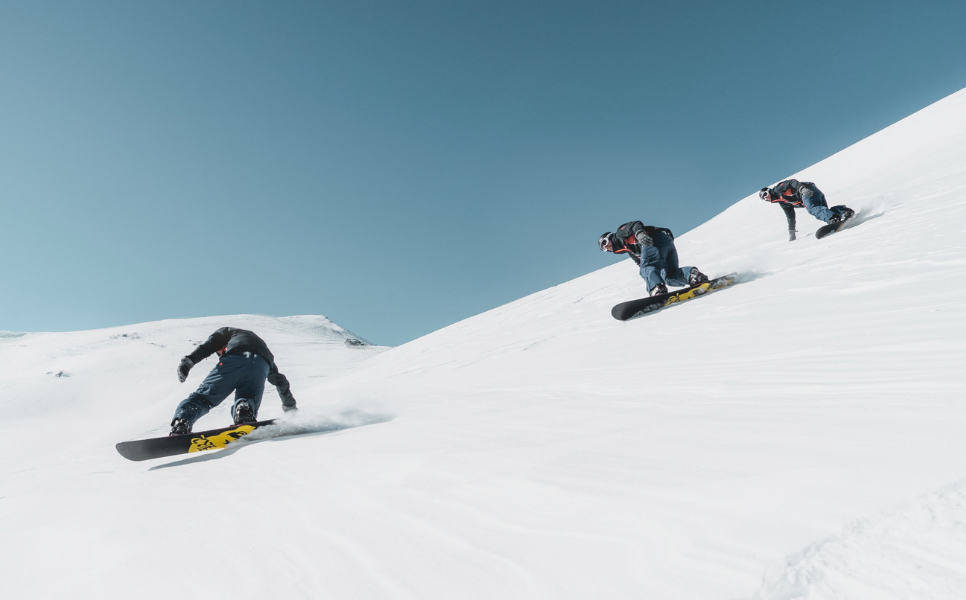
[(644, 239), (791, 235), (183, 368)]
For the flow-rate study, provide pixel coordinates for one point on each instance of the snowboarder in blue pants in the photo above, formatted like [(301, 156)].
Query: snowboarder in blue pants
[(652, 249), (791, 194), (244, 364)]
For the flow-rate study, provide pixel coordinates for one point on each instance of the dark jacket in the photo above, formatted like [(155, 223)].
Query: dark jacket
[(625, 238), (236, 341), (788, 195)]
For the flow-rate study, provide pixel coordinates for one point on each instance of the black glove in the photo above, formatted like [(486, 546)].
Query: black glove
[(183, 368), (791, 235), (644, 239)]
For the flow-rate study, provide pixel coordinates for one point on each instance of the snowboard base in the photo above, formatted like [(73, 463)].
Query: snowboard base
[(825, 230), (643, 306), (185, 444)]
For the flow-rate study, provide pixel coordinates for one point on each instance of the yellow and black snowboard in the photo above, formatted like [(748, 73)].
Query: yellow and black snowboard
[(187, 443), (644, 306), (825, 230)]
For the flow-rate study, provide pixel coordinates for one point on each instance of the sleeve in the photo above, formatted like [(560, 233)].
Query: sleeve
[(789, 215), (282, 386), (216, 341)]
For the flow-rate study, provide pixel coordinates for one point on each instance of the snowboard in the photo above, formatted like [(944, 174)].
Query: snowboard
[(187, 443), (825, 230), (643, 306)]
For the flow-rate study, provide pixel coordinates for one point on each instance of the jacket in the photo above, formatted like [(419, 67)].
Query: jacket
[(788, 195), (236, 341), (625, 238)]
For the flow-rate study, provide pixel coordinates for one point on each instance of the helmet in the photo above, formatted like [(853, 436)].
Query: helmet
[(603, 240), (765, 194)]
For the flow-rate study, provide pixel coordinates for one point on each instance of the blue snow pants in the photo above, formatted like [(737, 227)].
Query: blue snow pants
[(659, 263), (816, 205), (243, 373)]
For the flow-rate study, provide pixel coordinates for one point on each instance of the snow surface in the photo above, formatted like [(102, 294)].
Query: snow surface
[(800, 435)]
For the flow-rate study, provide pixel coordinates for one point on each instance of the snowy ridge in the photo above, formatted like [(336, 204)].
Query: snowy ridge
[(81, 375), (543, 449)]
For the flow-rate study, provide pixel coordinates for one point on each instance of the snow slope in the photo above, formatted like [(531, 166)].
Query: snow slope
[(800, 435)]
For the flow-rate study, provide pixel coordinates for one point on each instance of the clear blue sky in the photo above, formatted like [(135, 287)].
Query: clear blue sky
[(399, 166)]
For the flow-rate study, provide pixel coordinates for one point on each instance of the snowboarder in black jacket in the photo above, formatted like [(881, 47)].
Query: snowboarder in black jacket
[(244, 364), (652, 249), (791, 194)]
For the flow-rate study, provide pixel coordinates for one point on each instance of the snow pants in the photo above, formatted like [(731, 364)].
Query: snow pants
[(816, 205), (659, 263), (243, 373)]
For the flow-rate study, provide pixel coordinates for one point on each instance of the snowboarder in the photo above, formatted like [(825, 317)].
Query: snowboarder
[(791, 194), (652, 249), (244, 364)]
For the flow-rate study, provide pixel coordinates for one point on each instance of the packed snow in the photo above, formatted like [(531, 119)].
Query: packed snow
[(801, 435)]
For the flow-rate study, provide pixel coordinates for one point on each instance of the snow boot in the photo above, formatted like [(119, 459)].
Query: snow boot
[(696, 277), (244, 413), (179, 427), (845, 215), (658, 289)]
